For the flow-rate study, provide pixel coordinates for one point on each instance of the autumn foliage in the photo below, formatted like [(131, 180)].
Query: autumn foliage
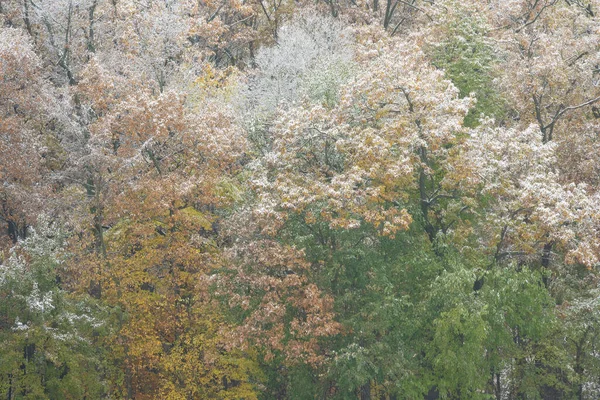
[(299, 200)]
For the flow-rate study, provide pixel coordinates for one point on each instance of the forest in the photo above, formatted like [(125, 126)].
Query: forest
[(294, 199)]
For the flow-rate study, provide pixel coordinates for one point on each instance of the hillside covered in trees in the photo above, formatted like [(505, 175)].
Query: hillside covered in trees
[(290, 199)]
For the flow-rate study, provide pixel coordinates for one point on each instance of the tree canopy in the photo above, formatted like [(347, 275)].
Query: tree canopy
[(300, 200)]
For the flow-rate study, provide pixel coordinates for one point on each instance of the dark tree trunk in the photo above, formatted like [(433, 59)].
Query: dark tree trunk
[(365, 391)]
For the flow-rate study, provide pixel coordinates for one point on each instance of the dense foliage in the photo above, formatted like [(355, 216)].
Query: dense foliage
[(244, 199)]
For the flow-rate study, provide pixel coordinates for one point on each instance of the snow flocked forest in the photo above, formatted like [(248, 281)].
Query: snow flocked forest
[(290, 199)]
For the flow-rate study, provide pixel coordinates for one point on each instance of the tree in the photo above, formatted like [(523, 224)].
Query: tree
[(25, 150), (159, 250), (48, 337)]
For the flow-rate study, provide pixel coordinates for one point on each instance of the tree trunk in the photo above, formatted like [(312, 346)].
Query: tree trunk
[(498, 387), (10, 388), (365, 391)]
